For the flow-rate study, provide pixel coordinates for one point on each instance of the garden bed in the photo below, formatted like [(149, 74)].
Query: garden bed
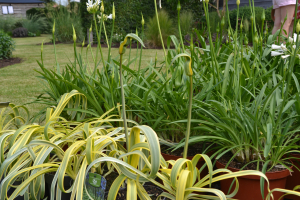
[(10, 61)]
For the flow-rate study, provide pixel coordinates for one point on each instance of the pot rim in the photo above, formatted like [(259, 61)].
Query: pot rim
[(270, 175)]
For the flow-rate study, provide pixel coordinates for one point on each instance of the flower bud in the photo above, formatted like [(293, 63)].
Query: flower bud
[(266, 26), (83, 42), (238, 2), (260, 39), (113, 12), (178, 6), (207, 1), (298, 27), (156, 57), (91, 28), (178, 49), (246, 40), (102, 7), (53, 29), (74, 34), (263, 16), (218, 30), (226, 41), (255, 38), (251, 18), (222, 22), (241, 26), (143, 21)]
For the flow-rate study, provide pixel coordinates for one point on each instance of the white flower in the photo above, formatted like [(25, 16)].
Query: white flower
[(105, 17), (93, 7), (295, 37), (286, 56), (275, 53), (160, 4), (109, 16), (274, 46), (291, 40), (283, 47)]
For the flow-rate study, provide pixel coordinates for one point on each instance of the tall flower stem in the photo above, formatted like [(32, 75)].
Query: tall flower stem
[(162, 42), (141, 53), (105, 33), (111, 36), (187, 136), (179, 28), (123, 104), (98, 38), (53, 38)]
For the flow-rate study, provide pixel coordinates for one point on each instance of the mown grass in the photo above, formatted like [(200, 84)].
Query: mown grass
[(19, 82)]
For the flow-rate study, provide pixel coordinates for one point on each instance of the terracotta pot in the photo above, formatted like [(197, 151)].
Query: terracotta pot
[(294, 180), (249, 186), (200, 163)]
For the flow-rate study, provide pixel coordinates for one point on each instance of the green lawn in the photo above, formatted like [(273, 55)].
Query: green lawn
[(19, 83)]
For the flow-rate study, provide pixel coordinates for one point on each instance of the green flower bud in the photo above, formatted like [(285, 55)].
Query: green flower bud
[(218, 30), (222, 22), (263, 16), (229, 33), (178, 49), (178, 6), (260, 39), (113, 12), (83, 42), (156, 57), (238, 2), (266, 26), (91, 28), (255, 39), (251, 18), (74, 34), (246, 40), (53, 29), (298, 27), (102, 7), (241, 26), (143, 21), (226, 41), (207, 1)]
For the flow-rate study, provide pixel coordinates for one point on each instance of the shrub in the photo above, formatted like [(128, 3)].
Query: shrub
[(6, 45), (245, 13), (35, 23), (31, 34), (186, 22), (63, 25), (7, 23), (166, 26), (20, 32)]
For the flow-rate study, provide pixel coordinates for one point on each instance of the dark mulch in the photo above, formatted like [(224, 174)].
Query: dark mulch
[(192, 150), (151, 189), (10, 61), (252, 166)]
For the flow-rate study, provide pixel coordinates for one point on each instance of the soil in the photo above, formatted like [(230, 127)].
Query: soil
[(10, 61), (192, 150), (252, 166), (151, 189)]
